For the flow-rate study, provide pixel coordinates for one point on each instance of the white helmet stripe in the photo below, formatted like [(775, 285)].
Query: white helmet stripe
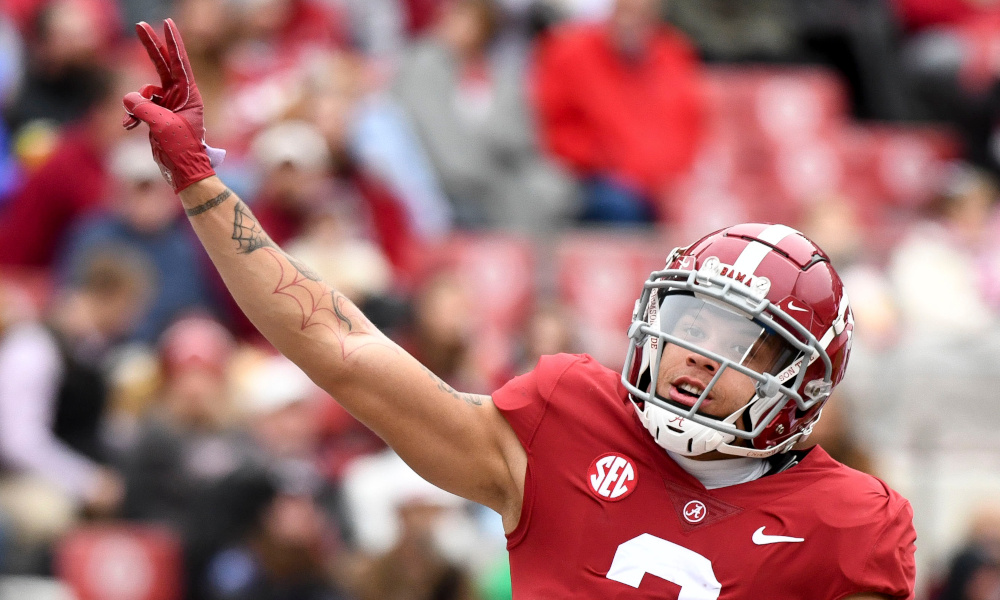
[(755, 252), (838, 324)]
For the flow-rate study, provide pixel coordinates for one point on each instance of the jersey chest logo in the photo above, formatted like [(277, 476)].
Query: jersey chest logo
[(695, 511), (612, 477)]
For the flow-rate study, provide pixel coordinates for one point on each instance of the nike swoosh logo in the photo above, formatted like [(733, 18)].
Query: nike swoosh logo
[(760, 538), (791, 306)]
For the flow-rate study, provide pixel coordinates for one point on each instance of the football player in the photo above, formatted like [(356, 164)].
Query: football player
[(674, 479)]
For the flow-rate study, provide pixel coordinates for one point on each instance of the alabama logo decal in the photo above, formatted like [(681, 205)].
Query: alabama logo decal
[(695, 511), (612, 477)]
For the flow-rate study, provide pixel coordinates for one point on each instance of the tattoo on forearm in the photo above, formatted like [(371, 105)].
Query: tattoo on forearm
[(302, 268), (247, 231), (473, 399), (191, 212), (351, 328), (250, 236), (337, 299)]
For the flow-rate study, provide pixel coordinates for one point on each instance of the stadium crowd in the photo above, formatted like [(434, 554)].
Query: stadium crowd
[(488, 180)]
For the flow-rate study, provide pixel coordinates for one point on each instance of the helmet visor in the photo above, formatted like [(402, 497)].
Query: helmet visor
[(695, 331)]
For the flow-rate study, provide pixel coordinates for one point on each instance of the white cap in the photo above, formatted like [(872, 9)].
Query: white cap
[(295, 142), (132, 160), (276, 383)]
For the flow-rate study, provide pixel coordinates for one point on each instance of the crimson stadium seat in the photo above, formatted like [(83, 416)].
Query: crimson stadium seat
[(121, 562), (776, 105), (902, 165), (980, 41), (600, 278)]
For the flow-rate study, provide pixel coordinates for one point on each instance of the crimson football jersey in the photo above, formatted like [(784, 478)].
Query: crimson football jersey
[(608, 514)]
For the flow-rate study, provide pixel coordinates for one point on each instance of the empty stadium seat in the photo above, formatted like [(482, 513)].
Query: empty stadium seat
[(121, 562), (776, 104), (600, 278)]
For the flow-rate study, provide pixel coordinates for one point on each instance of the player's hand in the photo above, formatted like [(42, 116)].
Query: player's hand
[(173, 110)]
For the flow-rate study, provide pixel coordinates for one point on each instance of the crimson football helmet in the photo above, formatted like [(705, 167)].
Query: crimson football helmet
[(759, 302)]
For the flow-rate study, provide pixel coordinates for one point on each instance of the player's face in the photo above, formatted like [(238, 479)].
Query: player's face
[(684, 374)]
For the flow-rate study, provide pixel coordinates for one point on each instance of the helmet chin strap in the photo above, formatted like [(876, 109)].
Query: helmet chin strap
[(692, 439), (688, 438)]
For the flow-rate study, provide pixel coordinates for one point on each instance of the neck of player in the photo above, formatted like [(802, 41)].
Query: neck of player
[(715, 474)]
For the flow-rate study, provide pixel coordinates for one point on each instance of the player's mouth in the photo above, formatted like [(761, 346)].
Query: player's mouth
[(686, 391)]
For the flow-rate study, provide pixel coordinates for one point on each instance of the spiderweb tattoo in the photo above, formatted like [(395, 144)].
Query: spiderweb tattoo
[(316, 302), (250, 236), (247, 231)]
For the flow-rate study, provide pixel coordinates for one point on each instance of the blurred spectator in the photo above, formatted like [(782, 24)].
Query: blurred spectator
[(299, 188), (52, 398), (72, 179), (283, 406), (271, 42), (739, 30), (860, 39), (286, 557), (144, 215), (65, 73), (287, 417), (836, 224), (414, 569), (974, 572), (549, 330), (415, 541), (440, 333), (640, 122), (306, 176), (835, 433), (955, 79), (187, 469), (11, 59), (295, 535), (957, 244), (373, 144), (294, 161), (470, 111), (208, 34)]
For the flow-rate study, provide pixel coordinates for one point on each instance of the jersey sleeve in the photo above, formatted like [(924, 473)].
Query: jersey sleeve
[(524, 399), (889, 567)]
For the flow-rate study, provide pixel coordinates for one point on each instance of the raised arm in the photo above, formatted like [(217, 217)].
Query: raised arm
[(457, 441)]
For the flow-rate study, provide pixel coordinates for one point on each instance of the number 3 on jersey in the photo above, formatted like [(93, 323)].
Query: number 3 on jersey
[(666, 560)]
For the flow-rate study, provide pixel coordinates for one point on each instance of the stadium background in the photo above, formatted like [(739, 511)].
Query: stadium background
[(490, 182)]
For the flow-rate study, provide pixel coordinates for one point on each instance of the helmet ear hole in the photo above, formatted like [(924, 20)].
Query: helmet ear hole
[(644, 380)]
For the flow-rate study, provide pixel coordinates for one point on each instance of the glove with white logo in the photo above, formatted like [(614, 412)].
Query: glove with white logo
[(173, 110)]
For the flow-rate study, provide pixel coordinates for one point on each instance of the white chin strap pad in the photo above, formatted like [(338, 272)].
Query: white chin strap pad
[(694, 439)]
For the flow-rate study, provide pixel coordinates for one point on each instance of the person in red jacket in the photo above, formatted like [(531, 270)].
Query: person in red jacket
[(72, 180), (621, 104)]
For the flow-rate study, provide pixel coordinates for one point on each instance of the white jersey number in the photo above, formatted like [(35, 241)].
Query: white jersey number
[(676, 564)]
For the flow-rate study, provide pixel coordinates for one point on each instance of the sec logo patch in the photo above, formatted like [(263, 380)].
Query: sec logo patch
[(612, 477)]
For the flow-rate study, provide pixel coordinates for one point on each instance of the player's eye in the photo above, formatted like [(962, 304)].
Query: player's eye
[(692, 332), (740, 349)]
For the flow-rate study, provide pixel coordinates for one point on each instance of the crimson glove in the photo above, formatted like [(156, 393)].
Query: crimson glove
[(173, 110)]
